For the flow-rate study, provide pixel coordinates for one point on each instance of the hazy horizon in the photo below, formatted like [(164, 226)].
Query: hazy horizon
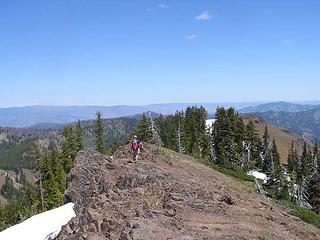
[(313, 102)]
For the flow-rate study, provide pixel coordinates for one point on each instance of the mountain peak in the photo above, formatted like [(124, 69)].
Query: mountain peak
[(166, 195)]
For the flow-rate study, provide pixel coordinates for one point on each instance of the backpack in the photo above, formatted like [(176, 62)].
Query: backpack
[(135, 144)]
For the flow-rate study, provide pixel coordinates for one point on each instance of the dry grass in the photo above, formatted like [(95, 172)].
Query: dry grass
[(283, 137)]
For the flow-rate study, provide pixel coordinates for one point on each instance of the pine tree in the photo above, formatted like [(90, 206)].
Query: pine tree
[(154, 132), (194, 131), (37, 153), (58, 172), (69, 147), (252, 147), (79, 136), (142, 130), (52, 193), (292, 159), (276, 159), (314, 177), (220, 129), (99, 133), (276, 180), (306, 160), (180, 139), (266, 154)]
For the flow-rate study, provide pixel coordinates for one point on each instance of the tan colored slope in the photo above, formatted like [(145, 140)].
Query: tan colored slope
[(282, 136), (169, 196)]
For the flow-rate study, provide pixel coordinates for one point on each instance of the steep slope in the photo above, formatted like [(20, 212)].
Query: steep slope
[(283, 137), (306, 123), (168, 196), (278, 107)]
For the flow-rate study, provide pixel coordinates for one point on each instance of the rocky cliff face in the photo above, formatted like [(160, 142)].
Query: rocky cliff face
[(168, 196)]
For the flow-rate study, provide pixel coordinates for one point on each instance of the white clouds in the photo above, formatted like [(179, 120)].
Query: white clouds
[(191, 37), (162, 5), (205, 16)]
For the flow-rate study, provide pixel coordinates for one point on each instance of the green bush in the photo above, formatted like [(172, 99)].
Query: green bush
[(304, 214), (230, 170)]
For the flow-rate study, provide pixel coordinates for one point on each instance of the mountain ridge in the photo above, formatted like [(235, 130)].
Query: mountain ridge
[(278, 107), (31, 115), (306, 123), (166, 195)]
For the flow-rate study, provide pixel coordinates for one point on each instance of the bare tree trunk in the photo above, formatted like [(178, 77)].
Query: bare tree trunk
[(41, 194)]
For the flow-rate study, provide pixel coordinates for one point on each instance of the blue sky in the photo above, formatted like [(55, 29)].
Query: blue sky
[(109, 52)]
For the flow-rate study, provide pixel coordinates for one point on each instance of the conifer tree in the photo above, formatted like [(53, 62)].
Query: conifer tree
[(99, 133), (180, 139), (266, 154), (52, 194), (314, 177), (292, 159), (194, 130), (69, 147), (79, 136), (306, 160), (154, 132), (142, 130), (37, 153), (276, 160), (220, 129), (58, 172), (276, 180), (252, 146)]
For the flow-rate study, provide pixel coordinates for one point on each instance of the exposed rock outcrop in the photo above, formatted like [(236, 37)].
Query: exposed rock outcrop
[(168, 196)]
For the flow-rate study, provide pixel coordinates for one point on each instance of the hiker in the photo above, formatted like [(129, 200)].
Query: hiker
[(136, 147)]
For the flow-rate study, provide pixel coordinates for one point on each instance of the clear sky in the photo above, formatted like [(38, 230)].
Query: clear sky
[(109, 52)]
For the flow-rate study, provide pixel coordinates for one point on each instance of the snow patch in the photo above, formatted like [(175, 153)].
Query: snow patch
[(209, 124), (258, 175), (46, 225)]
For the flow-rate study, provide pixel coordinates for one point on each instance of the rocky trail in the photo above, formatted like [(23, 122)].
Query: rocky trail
[(165, 195)]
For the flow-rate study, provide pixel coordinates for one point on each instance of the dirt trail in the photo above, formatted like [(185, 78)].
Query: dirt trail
[(169, 196)]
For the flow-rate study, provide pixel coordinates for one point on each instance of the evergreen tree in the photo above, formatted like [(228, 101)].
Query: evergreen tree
[(22, 178), (306, 160), (99, 133), (8, 190), (276, 162), (194, 131), (276, 180), (37, 153), (58, 172), (180, 139), (79, 136), (314, 177), (292, 159), (142, 129), (266, 154), (52, 195), (219, 137), (252, 147), (69, 147), (154, 132)]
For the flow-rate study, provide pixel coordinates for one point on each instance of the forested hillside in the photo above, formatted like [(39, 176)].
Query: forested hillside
[(234, 147), (283, 136), (49, 154), (306, 123)]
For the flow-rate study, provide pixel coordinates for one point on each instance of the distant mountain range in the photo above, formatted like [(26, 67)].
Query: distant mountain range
[(305, 123), (301, 119), (43, 116), (278, 107)]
